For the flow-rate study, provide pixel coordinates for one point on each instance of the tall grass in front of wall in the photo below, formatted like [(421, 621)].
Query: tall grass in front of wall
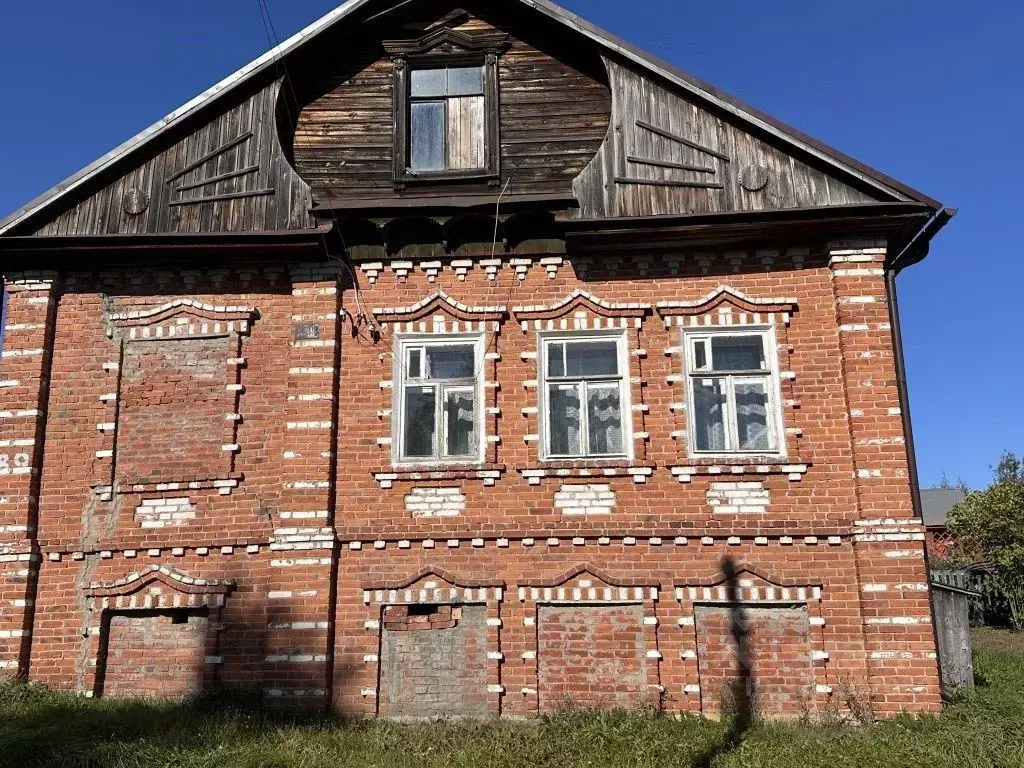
[(982, 729)]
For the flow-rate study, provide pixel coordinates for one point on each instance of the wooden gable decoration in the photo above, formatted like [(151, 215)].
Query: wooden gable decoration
[(674, 146)]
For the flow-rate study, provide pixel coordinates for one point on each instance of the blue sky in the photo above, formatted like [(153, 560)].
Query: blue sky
[(929, 92)]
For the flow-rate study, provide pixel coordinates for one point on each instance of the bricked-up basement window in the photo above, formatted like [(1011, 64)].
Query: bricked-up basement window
[(439, 399), (733, 393), (584, 397)]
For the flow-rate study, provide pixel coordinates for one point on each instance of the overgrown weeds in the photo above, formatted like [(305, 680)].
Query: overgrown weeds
[(38, 727)]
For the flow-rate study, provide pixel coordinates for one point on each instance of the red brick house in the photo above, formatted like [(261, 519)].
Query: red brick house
[(443, 362)]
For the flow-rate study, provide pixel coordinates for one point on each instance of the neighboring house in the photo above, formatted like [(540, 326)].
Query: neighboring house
[(935, 506), (442, 365)]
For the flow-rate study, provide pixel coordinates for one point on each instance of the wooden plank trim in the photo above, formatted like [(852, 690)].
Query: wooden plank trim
[(215, 179), (215, 198), (669, 164), (210, 155), (677, 138), (668, 183)]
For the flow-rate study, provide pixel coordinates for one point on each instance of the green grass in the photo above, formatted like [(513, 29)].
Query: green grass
[(42, 728)]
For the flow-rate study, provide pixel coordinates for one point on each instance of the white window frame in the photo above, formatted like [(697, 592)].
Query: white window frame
[(771, 376), (545, 341), (406, 342)]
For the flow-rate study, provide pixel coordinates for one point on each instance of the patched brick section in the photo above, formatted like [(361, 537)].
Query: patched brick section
[(174, 402), (585, 500), (164, 513), (155, 656), (780, 655), (739, 498), (591, 657), (434, 662), (435, 502)]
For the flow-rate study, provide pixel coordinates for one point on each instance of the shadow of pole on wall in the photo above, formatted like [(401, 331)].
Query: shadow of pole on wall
[(743, 685)]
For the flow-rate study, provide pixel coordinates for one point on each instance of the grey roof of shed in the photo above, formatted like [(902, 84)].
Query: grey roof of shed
[(693, 86), (936, 503)]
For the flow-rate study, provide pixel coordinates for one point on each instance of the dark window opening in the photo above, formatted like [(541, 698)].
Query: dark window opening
[(423, 609)]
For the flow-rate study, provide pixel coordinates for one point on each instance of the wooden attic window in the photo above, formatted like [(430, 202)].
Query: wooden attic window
[(446, 106)]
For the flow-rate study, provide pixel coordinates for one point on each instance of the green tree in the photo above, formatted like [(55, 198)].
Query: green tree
[(989, 526)]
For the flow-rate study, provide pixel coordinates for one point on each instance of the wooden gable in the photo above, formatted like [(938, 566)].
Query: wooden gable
[(229, 174), (585, 126)]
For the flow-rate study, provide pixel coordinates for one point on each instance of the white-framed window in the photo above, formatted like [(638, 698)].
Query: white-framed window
[(733, 385), (438, 413), (584, 394)]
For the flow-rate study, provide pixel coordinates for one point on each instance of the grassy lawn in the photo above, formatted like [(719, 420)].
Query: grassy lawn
[(39, 728)]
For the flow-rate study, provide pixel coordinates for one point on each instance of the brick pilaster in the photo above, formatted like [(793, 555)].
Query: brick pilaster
[(888, 541), (300, 585), (24, 388)]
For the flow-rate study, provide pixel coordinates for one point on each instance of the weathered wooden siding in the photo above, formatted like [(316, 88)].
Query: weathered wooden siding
[(953, 630), (653, 124), (257, 188), (553, 119)]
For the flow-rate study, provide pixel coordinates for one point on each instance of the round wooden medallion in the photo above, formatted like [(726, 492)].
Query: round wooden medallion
[(135, 202), (754, 178)]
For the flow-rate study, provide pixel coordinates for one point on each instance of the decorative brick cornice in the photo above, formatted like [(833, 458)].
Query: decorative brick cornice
[(581, 300)]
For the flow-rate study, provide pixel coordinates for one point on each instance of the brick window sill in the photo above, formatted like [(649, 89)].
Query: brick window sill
[(590, 468), (739, 466), (489, 473)]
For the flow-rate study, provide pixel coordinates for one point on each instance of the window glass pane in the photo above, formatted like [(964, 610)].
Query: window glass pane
[(592, 358), (460, 418), (700, 354), (738, 353), (564, 419), (709, 414), (466, 133), (604, 419), (427, 136), (455, 362), (556, 360), (465, 81), (752, 415), (420, 404), (428, 82), (414, 366)]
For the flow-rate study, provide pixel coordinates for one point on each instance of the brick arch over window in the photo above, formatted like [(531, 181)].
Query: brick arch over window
[(137, 590), (432, 305), (726, 300), (582, 569), (432, 573), (580, 300)]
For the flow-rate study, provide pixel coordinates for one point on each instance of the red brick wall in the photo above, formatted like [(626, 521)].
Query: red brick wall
[(155, 656), (305, 514), (592, 657), (779, 657)]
